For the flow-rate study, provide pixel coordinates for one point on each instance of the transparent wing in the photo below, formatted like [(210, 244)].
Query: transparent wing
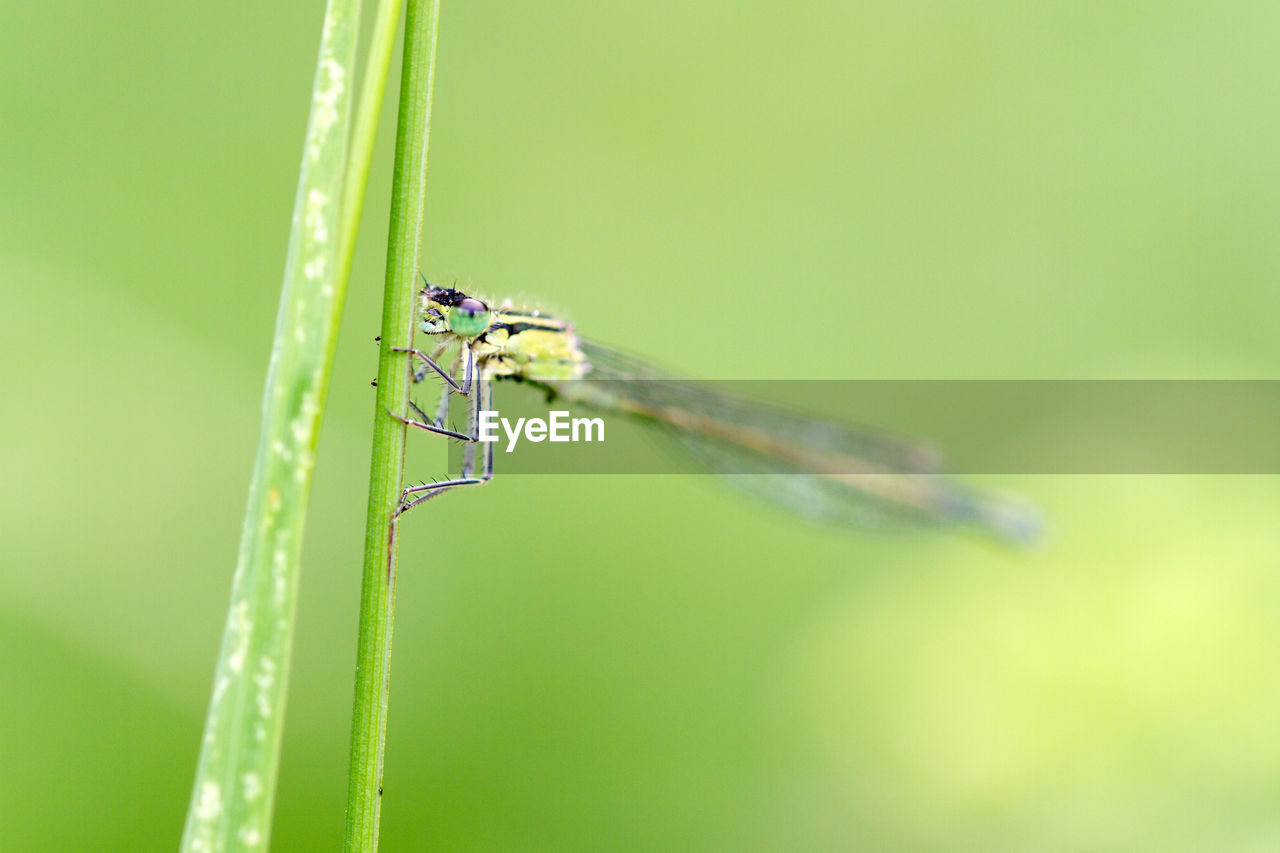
[(882, 501), (820, 470), (875, 449)]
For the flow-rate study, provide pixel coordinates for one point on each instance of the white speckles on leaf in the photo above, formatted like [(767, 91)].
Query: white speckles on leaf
[(324, 112), (314, 217), (300, 428), (210, 804), (306, 461), (279, 568), (249, 836), (219, 690), (310, 405), (252, 787), (265, 679), (239, 631), (315, 267)]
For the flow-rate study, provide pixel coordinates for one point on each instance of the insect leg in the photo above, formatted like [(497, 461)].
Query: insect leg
[(486, 402), (473, 421), (427, 491), (420, 371), (430, 362), (430, 490), (442, 409), (430, 427)]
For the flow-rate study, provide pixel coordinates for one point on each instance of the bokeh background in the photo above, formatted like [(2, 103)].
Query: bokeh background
[(734, 189)]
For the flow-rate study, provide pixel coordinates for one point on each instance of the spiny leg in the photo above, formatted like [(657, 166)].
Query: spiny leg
[(430, 427), (473, 417), (427, 491), (468, 357), (483, 401), (420, 370), (486, 403), (442, 410)]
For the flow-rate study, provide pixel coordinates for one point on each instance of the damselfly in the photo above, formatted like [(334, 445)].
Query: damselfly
[(832, 473)]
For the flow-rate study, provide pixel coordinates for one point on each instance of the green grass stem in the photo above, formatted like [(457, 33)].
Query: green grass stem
[(234, 792), (377, 603)]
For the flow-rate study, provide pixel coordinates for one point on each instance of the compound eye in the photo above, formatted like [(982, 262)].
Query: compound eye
[(469, 317)]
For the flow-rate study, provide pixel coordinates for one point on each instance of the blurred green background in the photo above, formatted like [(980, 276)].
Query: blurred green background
[(872, 190)]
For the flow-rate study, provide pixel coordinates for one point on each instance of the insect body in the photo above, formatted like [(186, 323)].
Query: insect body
[(824, 471), (506, 342)]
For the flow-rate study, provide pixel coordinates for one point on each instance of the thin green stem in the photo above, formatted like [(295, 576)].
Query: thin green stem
[(235, 784), (377, 603), (381, 45)]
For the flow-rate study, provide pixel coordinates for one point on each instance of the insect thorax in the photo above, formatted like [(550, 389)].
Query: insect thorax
[(531, 346)]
